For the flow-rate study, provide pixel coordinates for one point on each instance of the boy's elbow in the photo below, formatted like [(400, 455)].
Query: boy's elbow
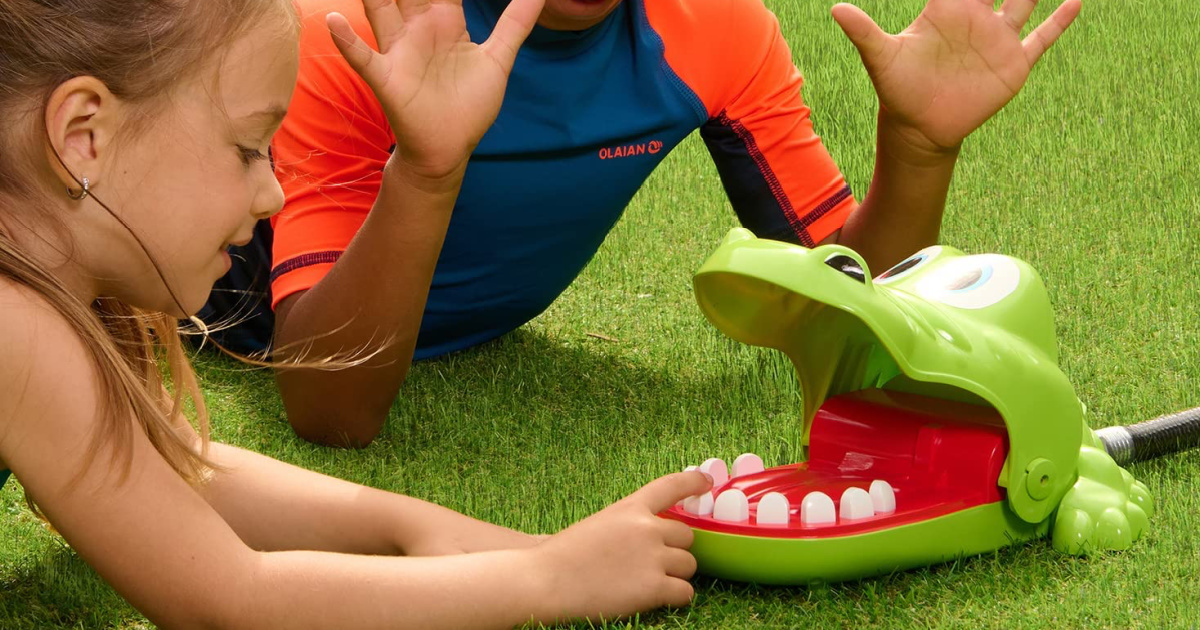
[(344, 429), (345, 408)]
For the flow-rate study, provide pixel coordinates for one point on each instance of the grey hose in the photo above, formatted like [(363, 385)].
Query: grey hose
[(1152, 438)]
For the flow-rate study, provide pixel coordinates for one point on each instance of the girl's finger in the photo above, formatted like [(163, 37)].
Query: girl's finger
[(676, 534), (664, 492), (679, 564), (677, 593)]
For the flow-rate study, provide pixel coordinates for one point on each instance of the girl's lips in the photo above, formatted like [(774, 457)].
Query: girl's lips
[(241, 242)]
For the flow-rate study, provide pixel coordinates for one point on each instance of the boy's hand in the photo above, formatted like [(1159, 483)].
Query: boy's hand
[(954, 67), (440, 92), (624, 559)]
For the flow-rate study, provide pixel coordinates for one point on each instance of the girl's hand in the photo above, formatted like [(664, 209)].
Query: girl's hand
[(954, 67), (440, 92), (624, 559)]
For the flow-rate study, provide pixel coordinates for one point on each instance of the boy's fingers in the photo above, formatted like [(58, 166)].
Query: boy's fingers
[(386, 22), (864, 33), (409, 8), (1016, 12), (664, 492), (511, 30), (357, 53), (1044, 36)]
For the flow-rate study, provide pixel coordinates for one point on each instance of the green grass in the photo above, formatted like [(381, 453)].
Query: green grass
[(1086, 175)]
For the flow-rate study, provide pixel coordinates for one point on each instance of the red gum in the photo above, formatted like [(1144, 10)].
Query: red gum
[(939, 456)]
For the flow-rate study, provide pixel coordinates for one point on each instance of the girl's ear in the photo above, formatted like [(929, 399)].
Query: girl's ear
[(82, 116)]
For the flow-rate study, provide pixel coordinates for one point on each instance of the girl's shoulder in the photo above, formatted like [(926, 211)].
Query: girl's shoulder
[(48, 384), (39, 350), (32, 327)]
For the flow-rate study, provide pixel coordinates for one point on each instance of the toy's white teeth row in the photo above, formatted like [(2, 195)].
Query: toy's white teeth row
[(745, 464), (817, 508)]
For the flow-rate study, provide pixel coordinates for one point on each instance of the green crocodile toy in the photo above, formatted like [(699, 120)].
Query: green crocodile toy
[(937, 423)]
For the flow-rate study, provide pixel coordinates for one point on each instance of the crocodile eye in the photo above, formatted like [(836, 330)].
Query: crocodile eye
[(973, 282), (848, 266), (970, 279), (907, 266)]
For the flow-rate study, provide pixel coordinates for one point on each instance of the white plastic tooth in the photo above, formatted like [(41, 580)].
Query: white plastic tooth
[(773, 509), (883, 498), (856, 504), (731, 506), (746, 464), (817, 509), (716, 468), (699, 505)]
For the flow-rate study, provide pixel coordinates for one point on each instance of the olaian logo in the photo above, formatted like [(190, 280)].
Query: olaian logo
[(629, 150)]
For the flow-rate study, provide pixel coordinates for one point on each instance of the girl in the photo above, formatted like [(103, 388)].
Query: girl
[(132, 157)]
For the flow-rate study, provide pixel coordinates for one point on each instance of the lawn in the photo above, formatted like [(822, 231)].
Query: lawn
[(1085, 175)]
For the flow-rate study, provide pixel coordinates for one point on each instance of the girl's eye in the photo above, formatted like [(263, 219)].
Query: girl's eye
[(250, 156)]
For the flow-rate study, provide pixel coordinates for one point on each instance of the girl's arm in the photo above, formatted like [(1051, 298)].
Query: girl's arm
[(275, 506), (167, 551)]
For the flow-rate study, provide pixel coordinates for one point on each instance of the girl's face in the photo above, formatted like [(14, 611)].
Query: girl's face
[(192, 183)]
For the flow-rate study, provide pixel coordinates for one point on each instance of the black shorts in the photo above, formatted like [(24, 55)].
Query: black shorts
[(243, 296)]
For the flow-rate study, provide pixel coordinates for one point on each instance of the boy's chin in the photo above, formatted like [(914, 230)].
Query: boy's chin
[(573, 10)]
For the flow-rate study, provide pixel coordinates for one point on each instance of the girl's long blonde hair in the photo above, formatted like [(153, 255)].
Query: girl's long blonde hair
[(140, 49)]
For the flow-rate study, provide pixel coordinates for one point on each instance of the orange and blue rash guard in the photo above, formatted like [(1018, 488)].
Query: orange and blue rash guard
[(586, 118)]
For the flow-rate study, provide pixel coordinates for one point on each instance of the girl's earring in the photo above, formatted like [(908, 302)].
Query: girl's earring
[(82, 193)]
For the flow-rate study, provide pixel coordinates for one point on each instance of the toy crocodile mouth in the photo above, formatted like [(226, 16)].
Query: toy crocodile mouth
[(885, 449), (931, 433), (877, 460), (937, 422)]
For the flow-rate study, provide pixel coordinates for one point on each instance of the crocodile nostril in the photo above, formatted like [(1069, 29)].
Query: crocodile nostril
[(848, 266)]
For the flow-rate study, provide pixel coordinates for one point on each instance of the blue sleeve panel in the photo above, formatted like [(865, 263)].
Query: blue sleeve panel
[(748, 190), (586, 119)]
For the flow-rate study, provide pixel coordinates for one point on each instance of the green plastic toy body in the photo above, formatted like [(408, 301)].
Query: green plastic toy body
[(941, 329)]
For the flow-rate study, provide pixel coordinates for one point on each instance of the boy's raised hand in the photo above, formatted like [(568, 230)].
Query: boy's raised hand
[(625, 558), (955, 66), (439, 90)]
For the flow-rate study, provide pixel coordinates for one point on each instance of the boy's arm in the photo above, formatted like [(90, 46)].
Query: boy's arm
[(357, 244), (938, 81), (902, 212), (949, 72), (369, 303)]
